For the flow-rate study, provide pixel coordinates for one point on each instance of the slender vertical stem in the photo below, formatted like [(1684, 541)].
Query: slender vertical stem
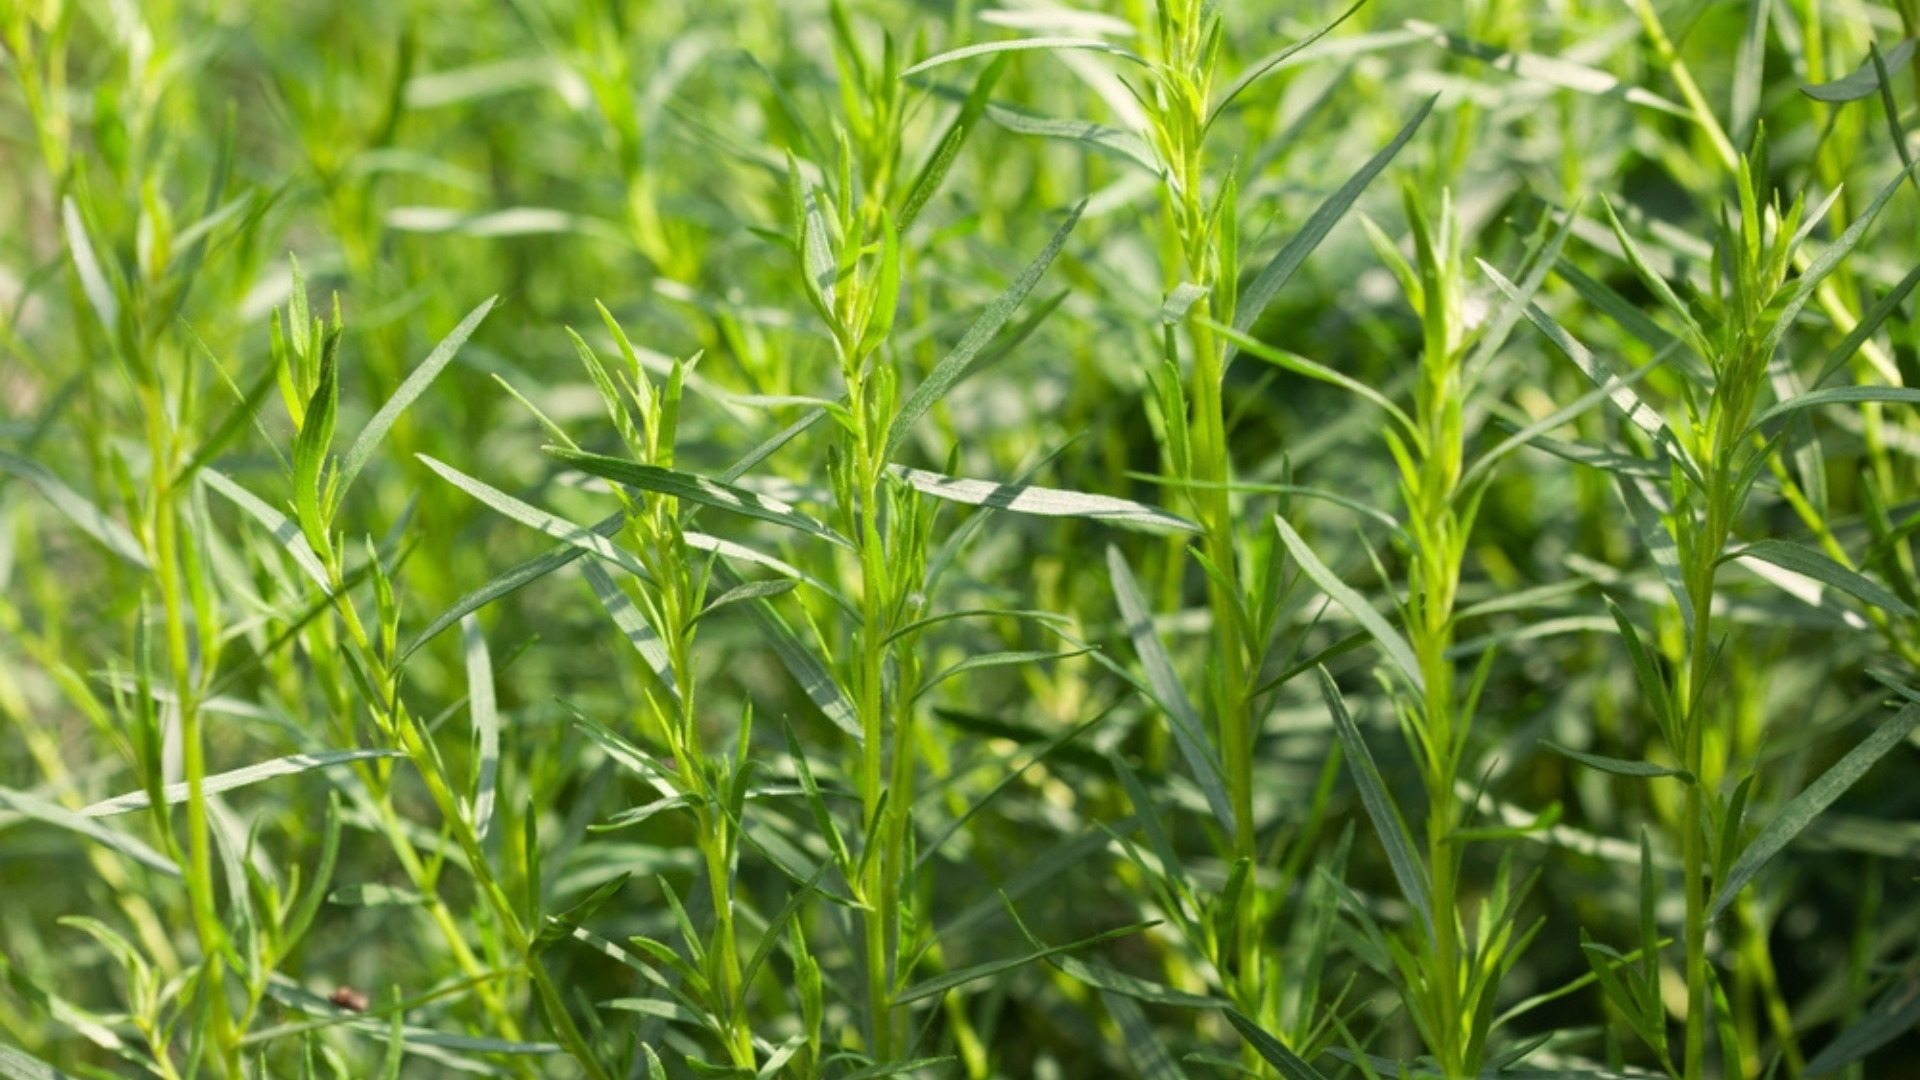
[(1185, 90), (1701, 561), (878, 890), (200, 888)]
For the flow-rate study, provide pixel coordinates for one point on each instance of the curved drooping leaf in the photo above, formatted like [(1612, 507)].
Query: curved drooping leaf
[(1122, 143), (1644, 416), (1813, 564), (502, 584), (1025, 45), (633, 625), (1861, 82), (1839, 395), (1101, 977), (580, 536), (815, 680)]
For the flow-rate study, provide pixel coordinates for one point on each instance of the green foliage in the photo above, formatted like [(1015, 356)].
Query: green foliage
[(976, 495)]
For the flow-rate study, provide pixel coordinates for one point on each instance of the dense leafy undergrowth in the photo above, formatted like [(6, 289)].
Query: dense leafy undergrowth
[(614, 539)]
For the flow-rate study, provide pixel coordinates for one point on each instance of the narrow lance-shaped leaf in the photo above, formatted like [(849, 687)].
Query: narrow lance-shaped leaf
[(541, 565), (274, 522), (1892, 1015), (927, 181), (1406, 866), (1256, 297), (1869, 323), (815, 245), (1483, 465), (1817, 566), (698, 490), (1255, 72), (953, 368), (1608, 301), (806, 668), (1010, 658), (245, 411), (932, 846), (1086, 132), (941, 983), (1644, 416), (1650, 277), (1101, 977), (486, 723), (1044, 502), (559, 528), (1839, 395), (1749, 73), (311, 447), (1390, 640), (1167, 690), (527, 572), (18, 1065), (410, 391), (1300, 365), (1547, 70), (1652, 686), (1828, 260), (237, 778), (1149, 1054), (1863, 81), (1291, 1065), (1616, 766), (1809, 804), (1495, 331), (1024, 45), (638, 632), (1660, 544), (60, 817), (752, 590), (93, 282), (91, 519)]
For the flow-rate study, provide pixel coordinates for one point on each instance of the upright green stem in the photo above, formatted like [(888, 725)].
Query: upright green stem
[(1702, 562), (1189, 43), (1443, 858), (877, 890), (200, 888), (1232, 684)]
